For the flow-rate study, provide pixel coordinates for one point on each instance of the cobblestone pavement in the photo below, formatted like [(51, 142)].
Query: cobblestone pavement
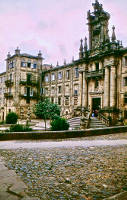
[(84, 173)]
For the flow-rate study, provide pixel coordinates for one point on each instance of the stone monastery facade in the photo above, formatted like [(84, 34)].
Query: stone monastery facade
[(97, 80)]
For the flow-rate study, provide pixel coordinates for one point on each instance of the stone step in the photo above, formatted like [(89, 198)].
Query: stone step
[(95, 123), (74, 122)]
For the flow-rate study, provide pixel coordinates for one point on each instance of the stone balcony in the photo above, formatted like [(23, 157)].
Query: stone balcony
[(8, 95), (32, 82), (94, 74), (9, 83)]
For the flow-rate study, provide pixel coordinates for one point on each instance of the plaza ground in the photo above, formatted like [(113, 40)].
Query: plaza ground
[(91, 168)]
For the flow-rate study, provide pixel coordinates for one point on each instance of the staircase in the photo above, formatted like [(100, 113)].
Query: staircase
[(96, 123), (74, 123)]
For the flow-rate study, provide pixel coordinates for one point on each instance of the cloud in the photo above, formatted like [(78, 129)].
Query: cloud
[(53, 26)]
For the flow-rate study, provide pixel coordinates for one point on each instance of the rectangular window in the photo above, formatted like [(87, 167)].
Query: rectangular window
[(31, 92), (52, 77), (52, 90), (96, 84), (46, 78), (23, 64), (10, 76), (29, 77), (66, 101), (125, 114), (97, 66), (29, 64), (10, 65), (59, 100), (59, 89), (75, 92), (68, 74), (25, 91), (75, 101), (41, 91), (59, 75), (52, 100), (125, 81), (46, 91), (76, 72), (34, 66), (125, 60)]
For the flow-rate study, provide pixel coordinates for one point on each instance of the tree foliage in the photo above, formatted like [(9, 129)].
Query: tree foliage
[(46, 110)]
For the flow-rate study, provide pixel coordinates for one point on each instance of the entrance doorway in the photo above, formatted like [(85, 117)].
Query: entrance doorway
[(96, 104)]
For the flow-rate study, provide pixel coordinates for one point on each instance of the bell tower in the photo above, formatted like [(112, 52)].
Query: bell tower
[(97, 26)]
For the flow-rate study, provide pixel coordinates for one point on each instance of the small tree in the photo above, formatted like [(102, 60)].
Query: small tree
[(11, 118), (46, 110), (59, 124)]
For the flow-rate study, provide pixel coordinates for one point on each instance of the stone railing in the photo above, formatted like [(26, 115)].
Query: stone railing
[(103, 119), (96, 73), (85, 120)]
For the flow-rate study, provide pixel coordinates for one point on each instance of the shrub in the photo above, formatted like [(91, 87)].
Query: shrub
[(19, 128), (110, 120), (59, 124), (11, 118), (2, 122)]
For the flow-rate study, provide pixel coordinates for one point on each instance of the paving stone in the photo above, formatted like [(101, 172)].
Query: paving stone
[(71, 173), (120, 196), (7, 196)]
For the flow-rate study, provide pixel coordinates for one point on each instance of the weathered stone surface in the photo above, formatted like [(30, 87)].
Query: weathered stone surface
[(7, 196), (72, 172), (120, 196)]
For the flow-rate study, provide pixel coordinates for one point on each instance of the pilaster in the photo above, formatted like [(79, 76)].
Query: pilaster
[(107, 87), (113, 87)]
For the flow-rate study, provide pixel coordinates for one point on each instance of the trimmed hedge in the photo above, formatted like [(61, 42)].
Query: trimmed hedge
[(19, 128), (59, 124), (11, 118)]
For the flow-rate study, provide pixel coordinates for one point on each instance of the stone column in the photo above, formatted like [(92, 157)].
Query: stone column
[(106, 87), (80, 88), (113, 86), (84, 92)]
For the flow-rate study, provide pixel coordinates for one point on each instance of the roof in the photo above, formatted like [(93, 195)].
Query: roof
[(25, 55)]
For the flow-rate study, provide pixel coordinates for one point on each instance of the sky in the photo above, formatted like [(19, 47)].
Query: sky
[(53, 26)]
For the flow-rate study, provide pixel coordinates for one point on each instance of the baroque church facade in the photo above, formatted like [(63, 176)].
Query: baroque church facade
[(96, 81)]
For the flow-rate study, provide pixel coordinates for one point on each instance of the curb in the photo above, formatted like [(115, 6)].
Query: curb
[(120, 196), (61, 134)]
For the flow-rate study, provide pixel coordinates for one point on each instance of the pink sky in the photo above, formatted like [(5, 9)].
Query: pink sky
[(53, 26)]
